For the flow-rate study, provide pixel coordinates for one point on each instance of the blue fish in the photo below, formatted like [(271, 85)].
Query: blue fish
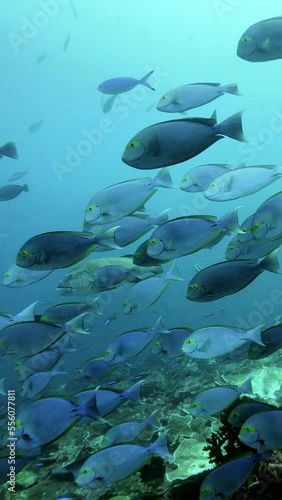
[(263, 431), (128, 431), (120, 460)]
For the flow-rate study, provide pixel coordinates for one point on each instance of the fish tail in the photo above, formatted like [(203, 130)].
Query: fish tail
[(134, 392), (270, 263), (25, 188), (151, 420), (160, 218), (230, 88), (230, 221), (246, 387), (232, 127), (159, 447), (106, 239), (158, 327), (58, 370), (9, 149), (94, 306), (173, 274), (254, 335), (75, 325), (163, 179), (144, 82)]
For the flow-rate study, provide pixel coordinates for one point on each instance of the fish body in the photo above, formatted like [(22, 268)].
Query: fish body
[(124, 198), (128, 431), (34, 127), (141, 258), (193, 95), (145, 293), (29, 337), (272, 340), (214, 341), (216, 399), (79, 280), (199, 178), (263, 431), (129, 344), (176, 141), (189, 234), (242, 412), (17, 277), (122, 460), (267, 220), (11, 191), (61, 313), (226, 278), (225, 480), (119, 85), (17, 175), (242, 182), (169, 344), (262, 41), (59, 249)]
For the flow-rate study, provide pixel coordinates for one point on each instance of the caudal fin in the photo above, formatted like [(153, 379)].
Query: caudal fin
[(254, 335), (159, 447), (270, 263), (232, 127), (163, 179), (144, 82), (230, 88), (9, 149)]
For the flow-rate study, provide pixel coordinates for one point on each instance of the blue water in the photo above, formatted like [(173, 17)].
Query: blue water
[(184, 41)]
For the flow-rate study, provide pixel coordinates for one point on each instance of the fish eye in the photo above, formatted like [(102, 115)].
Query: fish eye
[(234, 415), (206, 490), (157, 344), (84, 471), (254, 349), (25, 253), (194, 405), (194, 287)]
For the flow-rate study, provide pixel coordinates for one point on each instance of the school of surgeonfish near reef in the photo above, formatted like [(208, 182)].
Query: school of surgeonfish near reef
[(88, 410)]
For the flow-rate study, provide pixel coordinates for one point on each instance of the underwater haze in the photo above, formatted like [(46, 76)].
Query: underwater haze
[(81, 82)]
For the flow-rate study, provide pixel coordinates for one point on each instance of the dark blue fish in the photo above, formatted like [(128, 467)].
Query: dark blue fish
[(272, 339)]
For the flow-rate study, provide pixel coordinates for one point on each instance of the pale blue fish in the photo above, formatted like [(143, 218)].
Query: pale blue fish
[(107, 400), (61, 313), (242, 412), (45, 420), (226, 278), (145, 293), (37, 382), (216, 399), (214, 341), (128, 431), (176, 141), (94, 369), (9, 150), (119, 85), (267, 220), (243, 246), (59, 249), (242, 182), (30, 337), (34, 127), (129, 458), (18, 175), (225, 480), (16, 277), (199, 178), (272, 340), (132, 227), (124, 198), (169, 344), (27, 314), (43, 361), (262, 41), (189, 234), (263, 431), (129, 344), (193, 95)]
